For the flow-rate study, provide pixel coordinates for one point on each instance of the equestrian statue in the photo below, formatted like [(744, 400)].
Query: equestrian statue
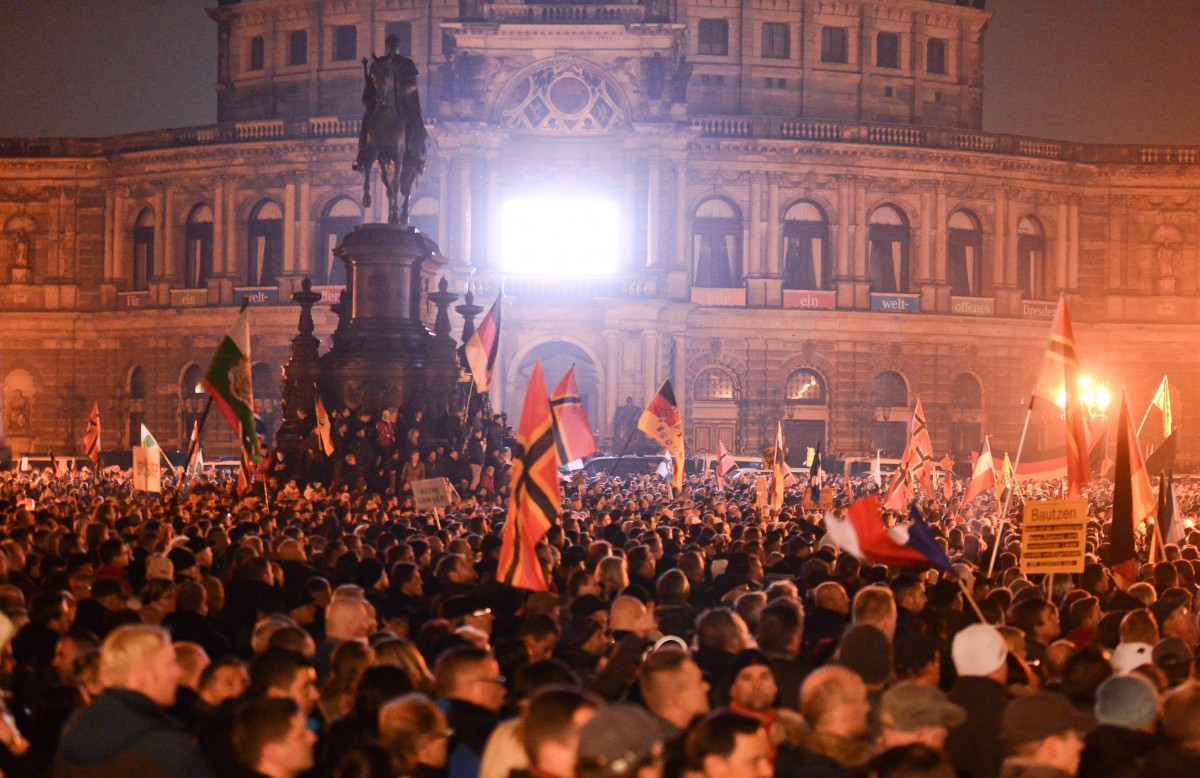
[(393, 131)]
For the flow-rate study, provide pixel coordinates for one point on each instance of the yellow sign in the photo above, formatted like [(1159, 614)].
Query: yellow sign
[(827, 498), (1054, 538), (760, 491)]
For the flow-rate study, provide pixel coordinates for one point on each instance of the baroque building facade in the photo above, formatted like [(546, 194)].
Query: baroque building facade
[(812, 226)]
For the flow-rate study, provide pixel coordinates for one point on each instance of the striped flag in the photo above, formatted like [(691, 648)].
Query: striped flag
[(148, 440), (1170, 518), (228, 381), (725, 462), (919, 450), (983, 476), (572, 432), (536, 501), (1060, 367), (483, 346), (196, 465), (1133, 499), (1162, 401), (662, 422), (91, 438), (816, 474), (877, 471), (245, 473), (778, 467)]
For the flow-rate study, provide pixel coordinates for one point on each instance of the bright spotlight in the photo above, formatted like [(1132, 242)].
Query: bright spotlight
[(560, 234)]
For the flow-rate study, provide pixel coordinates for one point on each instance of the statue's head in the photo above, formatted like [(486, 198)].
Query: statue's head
[(392, 44)]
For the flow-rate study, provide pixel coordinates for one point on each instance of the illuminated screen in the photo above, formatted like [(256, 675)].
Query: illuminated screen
[(560, 235)]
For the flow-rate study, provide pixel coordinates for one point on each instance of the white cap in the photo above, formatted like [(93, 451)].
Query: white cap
[(1128, 657), (978, 650)]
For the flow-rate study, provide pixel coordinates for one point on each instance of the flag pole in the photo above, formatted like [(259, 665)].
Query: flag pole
[(1146, 415), (628, 440), (1008, 499), (192, 447)]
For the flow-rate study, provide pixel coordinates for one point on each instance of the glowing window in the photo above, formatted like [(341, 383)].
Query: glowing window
[(805, 387), (560, 235), (714, 384)]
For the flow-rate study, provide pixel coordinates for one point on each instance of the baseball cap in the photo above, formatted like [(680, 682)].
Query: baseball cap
[(910, 705), (620, 738), (1170, 601), (1128, 657), (1039, 716), (1173, 657), (978, 650)]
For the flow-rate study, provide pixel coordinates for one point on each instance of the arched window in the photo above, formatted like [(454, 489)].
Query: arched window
[(342, 216), (966, 392), (191, 399), (964, 254), (714, 385), (198, 251), (717, 245), (888, 257), (137, 403), (424, 216), (1032, 271), (890, 396), (143, 250), (807, 259), (805, 387), (890, 390), (264, 256)]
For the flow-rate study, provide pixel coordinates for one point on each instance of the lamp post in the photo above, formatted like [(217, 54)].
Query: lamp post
[(1095, 397)]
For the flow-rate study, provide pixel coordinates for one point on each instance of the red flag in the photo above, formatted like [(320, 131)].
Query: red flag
[(245, 473), (324, 429), (662, 422), (919, 450), (91, 438), (725, 462), (195, 465), (572, 432), (983, 477), (897, 495), (1061, 368), (484, 346), (536, 500), (1133, 499), (862, 535)]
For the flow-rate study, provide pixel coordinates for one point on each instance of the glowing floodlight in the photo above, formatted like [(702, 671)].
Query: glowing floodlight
[(560, 235)]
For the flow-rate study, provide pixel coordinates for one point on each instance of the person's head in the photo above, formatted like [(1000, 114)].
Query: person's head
[(280, 673), (911, 712), (1173, 612), (271, 736), (348, 619), (673, 687), (753, 686), (140, 658), (1037, 618), (471, 675), (1127, 701), (621, 741), (914, 760), (833, 700), (909, 591), (629, 614), (415, 732), (1045, 729), (780, 630), (52, 610), (550, 724), (192, 659), (720, 629), (1139, 626), (68, 648), (224, 679), (875, 605), (729, 745), (980, 651), (831, 595)]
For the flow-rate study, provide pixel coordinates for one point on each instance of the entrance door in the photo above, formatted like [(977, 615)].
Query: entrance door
[(801, 435)]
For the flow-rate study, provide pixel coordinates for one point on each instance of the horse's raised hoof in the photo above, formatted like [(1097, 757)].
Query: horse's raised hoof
[(356, 167)]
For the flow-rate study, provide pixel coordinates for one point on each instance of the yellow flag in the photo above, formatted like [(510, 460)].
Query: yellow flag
[(1162, 399)]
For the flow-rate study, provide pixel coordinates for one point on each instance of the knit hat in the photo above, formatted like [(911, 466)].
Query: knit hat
[(866, 651), (620, 738), (1128, 657), (747, 658), (910, 705), (1039, 716), (1128, 701), (978, 650)]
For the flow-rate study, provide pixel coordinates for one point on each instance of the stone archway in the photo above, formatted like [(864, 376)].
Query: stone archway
[(557, 357)]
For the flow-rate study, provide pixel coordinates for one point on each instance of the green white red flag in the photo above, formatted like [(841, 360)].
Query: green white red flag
[(229, 382)]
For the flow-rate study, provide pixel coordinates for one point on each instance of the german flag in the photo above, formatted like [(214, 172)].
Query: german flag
[(484, 346), (1133, 500), (91, 438), (536, 500), (572, 432), (662, 422), (1061, 367)]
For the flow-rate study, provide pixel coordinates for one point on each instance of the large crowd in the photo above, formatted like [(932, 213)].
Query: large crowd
[(326, 628)]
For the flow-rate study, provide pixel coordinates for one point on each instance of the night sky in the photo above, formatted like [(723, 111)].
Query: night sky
[(1103, 71)]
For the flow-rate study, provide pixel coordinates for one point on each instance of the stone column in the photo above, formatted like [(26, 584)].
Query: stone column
[(304, 238), (754, 263), (1000, 240), (842, 231), (653, 213), (939, 227), (492, 258), (924, 235), (1062, 229), (774, 239), (1012, 241), (464, 215), (1073, 247), (219, 228), (444, 205), (629, 219), (289, 228), (162, 262), (230, 266), (120, 237), (679, 377), (650, 362), (861, 230), (110, 220), (612, 375), (682, 245)]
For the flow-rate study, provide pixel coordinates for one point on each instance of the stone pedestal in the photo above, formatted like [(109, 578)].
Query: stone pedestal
[(383, 354)]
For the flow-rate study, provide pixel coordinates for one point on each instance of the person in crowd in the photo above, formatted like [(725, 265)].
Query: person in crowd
[(271, 738)]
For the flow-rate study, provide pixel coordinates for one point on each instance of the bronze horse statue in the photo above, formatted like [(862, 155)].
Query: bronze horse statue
[(393, 131)]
